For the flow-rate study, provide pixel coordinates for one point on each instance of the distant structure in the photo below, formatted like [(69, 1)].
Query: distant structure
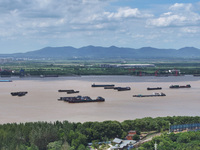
[(22, 73), (185, 127), (5, 60), (126, 65)]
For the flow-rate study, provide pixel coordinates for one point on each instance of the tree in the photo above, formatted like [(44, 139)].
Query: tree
[(136, 137), (54, 145)]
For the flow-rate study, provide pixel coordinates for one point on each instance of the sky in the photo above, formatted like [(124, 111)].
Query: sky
[(27, 25)]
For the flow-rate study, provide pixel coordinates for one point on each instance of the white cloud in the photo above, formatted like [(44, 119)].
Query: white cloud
[(168, 20), (126, 12), (167, 14), (179, 15), (181, 6), (190, 29), (95, 21)]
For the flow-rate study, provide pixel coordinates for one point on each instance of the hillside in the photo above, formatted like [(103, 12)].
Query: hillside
[(94, 52)]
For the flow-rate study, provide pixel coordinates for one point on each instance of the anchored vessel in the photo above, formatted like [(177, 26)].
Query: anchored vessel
[(103, 85), (153, 95), (182, 86), (155, 88), (18, 93), (81, 99)]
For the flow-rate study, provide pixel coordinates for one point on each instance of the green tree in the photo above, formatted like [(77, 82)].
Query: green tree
[(54, 145)]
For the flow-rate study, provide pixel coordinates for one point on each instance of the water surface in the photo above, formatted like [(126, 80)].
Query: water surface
[(41, 104)]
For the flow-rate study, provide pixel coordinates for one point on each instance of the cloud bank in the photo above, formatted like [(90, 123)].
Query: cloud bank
[(38, 23)]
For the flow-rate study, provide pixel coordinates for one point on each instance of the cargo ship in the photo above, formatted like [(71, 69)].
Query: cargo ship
[(178, 86), (156, 88), (81, 99), (102, 85), (18, 93), (152, 95)]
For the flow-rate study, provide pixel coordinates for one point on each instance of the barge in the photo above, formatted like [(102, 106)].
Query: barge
[(5, 80), (152, 95), (155, 88), (18, 93), (180, 86), (72, 92), (103, 85), (81, 99), (122, 88)]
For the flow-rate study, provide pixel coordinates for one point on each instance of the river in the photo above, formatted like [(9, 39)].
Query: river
[(41, 104)]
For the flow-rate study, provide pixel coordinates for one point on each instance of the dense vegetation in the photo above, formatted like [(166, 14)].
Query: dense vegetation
[(75, 136), (179, 141), (70, 68)]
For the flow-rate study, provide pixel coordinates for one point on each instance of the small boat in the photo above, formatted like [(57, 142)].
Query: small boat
[(156, 88), (152, 95)]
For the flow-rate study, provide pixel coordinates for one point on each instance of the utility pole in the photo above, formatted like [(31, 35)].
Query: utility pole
[(155, 146)]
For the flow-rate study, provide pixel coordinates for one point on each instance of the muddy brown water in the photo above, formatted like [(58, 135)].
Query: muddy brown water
[(41, 104)]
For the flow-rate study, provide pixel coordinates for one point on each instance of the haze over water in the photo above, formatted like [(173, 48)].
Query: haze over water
[(41, 104)]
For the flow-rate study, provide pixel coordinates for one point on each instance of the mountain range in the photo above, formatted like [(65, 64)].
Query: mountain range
[(97, 52)]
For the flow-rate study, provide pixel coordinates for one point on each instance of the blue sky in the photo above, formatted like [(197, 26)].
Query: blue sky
[(27, 25)]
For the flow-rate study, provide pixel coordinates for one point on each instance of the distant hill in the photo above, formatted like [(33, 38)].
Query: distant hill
[(96, 52)]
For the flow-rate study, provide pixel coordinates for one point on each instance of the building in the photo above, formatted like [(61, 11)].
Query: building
[(122, 144), (130, 135), (185, 127)]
